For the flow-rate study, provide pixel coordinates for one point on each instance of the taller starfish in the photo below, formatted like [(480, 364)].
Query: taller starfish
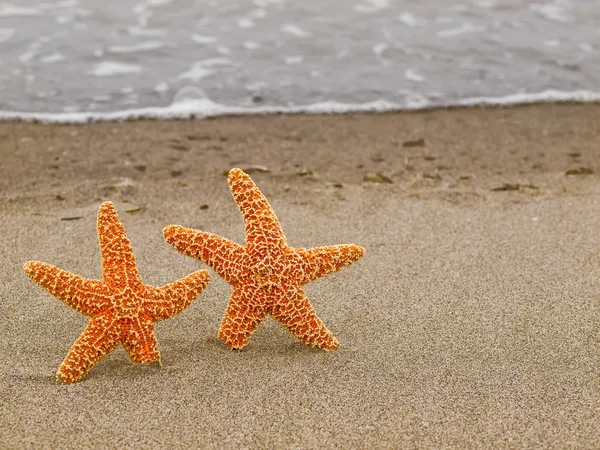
[(123, 310), (266, 274)]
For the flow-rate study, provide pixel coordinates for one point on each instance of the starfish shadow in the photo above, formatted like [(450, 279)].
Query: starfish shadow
[(37, 378)]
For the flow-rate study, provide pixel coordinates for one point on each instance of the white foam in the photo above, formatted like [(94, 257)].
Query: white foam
[(200, 39), (548, 96), (112, 68), (417, 101), (407, 19), (486, 3), (52, 58), (141, 31), (141, 7), (204, 107), (6, 34), (371, 6), (550, 11), (294, 30), (294, 59), (8, 10), (203, 69), (413, 75), (251, 45), (142, 46), (378, 49), (463, 29), (161, 87), (27, 56), (245, 22), (63, 4)]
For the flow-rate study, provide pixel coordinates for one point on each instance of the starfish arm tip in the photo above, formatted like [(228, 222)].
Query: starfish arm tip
[(59, 378), (65, 379), (357, 251), (200, 280), (107, 211), (237, 177), (108, 205), (36, 270), (236, 172), (171, 232), (30, 267), (335, 344)]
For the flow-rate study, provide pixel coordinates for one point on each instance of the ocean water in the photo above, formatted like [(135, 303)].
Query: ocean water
[(77, 59)]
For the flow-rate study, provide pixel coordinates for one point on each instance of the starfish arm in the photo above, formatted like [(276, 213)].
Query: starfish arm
[(89, 297), (140, 341), (261, 223), (169, 300), (320, 261), (221, 254), (241, 319), (99, 338), (118, 262), (297, 315)]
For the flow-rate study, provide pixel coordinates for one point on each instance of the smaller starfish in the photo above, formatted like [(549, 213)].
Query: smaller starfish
[(123, 310), (266, 274)]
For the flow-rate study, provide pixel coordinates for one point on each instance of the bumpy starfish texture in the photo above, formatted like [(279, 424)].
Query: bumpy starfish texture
[(266, 274), (123, 310)]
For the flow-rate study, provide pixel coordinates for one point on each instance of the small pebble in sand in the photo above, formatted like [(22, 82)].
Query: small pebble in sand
[(180, 147), (376, 177), (414, 143), (507, 187), (580, 171), (134, 210), (254, 169)]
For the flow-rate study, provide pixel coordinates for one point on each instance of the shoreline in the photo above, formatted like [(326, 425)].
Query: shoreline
[(207, 109)]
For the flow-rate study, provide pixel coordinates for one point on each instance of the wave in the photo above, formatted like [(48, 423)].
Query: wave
[(198, 108)]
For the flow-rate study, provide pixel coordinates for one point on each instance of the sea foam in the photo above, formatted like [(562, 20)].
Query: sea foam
[(204, 107)]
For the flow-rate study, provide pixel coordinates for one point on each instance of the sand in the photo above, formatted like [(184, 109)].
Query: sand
[(471, 322)]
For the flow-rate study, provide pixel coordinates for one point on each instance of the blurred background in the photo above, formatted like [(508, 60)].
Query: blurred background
[(74, 56)]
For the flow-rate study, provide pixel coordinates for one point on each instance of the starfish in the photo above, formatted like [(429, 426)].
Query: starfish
[(266, 275), (123, 310)]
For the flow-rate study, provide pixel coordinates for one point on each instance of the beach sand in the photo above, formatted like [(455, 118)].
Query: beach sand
[(471, 322)]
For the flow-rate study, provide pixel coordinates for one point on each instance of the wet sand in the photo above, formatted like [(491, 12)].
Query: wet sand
[(472, 320)]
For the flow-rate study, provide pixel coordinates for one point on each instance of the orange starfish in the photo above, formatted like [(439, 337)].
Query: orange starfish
[(123, 310), (266, 274)]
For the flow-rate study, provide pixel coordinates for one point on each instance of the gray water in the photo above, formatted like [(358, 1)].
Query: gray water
[(111, 55)]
